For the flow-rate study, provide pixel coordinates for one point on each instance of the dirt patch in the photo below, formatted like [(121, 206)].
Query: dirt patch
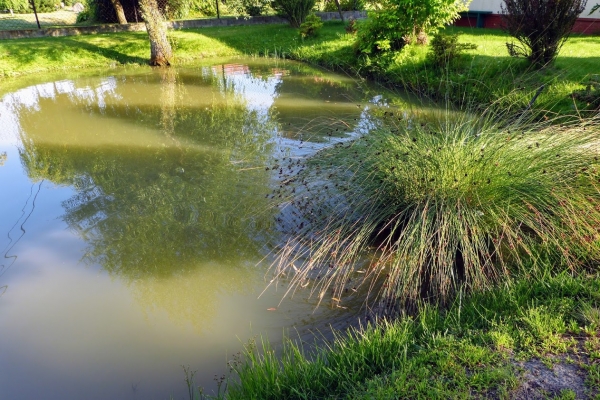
[(541, 382)]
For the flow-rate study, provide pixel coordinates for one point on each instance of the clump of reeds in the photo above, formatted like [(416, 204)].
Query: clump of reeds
[(422, 208)]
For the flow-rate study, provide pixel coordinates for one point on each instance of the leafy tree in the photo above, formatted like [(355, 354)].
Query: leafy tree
[(295, 11), (398, 22), (251, 8), (540, 26)]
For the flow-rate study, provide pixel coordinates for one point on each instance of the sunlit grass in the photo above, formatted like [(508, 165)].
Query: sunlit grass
[(447, 203), (465, 351)]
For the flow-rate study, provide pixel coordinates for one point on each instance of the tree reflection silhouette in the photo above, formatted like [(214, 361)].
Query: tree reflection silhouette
[(185, 204)]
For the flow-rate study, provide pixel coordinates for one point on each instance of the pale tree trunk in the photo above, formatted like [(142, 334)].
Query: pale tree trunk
[(160, 48), (119, 10)]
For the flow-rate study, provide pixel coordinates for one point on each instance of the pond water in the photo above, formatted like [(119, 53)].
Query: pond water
[(134, 217)]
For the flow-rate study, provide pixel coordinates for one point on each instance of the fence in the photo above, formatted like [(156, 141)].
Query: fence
[(21, 15)]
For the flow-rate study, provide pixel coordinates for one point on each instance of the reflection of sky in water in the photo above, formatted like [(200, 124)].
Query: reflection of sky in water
[(259, 92), (85, 334), (29, 98)]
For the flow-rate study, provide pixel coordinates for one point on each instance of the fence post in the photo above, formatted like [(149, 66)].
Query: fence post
[(35, 12)]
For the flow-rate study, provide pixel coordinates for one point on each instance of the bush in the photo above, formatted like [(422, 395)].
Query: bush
[(345, 5), (591, 94), (540, 26), (445, 50), (311, 26), (251, 8), (43, 6), (351, 26), (295, 11), (83, 16), (18, 6), (398, 22), (421, 208)]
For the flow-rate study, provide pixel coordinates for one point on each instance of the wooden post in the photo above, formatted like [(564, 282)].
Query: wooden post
[(35, 12)]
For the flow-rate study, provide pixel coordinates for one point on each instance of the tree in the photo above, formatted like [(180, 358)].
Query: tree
[(119, 11), (398, 22), (160, 48), (295, 11), (540, 26)]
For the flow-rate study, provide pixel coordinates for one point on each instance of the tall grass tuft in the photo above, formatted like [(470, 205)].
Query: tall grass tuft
[(420, 208)]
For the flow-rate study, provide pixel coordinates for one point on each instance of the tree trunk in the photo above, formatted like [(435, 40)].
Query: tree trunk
[(160, 48), (119, 10), (337, 3)]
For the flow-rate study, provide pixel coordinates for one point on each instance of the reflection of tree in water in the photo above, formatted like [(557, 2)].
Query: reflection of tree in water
[(190, 202), (169, 175)]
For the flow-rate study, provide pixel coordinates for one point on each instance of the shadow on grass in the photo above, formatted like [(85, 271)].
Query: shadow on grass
[(110, 53)]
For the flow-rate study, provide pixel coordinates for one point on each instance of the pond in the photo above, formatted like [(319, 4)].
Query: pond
[(136, 223)]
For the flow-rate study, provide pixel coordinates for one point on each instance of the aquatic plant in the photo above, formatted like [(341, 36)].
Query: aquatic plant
[(422, 207)]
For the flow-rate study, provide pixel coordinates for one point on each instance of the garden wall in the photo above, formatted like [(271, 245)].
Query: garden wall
[(187, 24)]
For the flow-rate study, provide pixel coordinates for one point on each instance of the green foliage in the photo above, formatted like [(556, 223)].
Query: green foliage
[(445, 50), (387, 361), (43, 6), (345, 5), (523, 19), (311, 26), (351, 26), (251, 8), (461, 352), (397, 22), (591, 94), (295, 11), (205, 8), (24, 6), (447, 202), (177, 9), (84, 16), (18, 6)]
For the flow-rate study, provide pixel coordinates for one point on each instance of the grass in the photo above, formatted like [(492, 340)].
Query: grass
[(540, 214), (458, 202), (470, 350), (487, 74)]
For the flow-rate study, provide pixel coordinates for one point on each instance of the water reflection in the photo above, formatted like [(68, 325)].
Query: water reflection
[(164, 179)]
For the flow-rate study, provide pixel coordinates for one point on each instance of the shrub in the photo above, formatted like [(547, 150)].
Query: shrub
[(43, 6), (591, 94), (397, 22), (351, 26), (345, 5), (295, 11), (445, 50), (18, 6), (421, 208), (83, 16), (540, 26), (251, 8), (311, 26)]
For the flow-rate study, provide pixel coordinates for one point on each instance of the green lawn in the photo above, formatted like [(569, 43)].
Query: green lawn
[(472, 348), (487, 73)]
